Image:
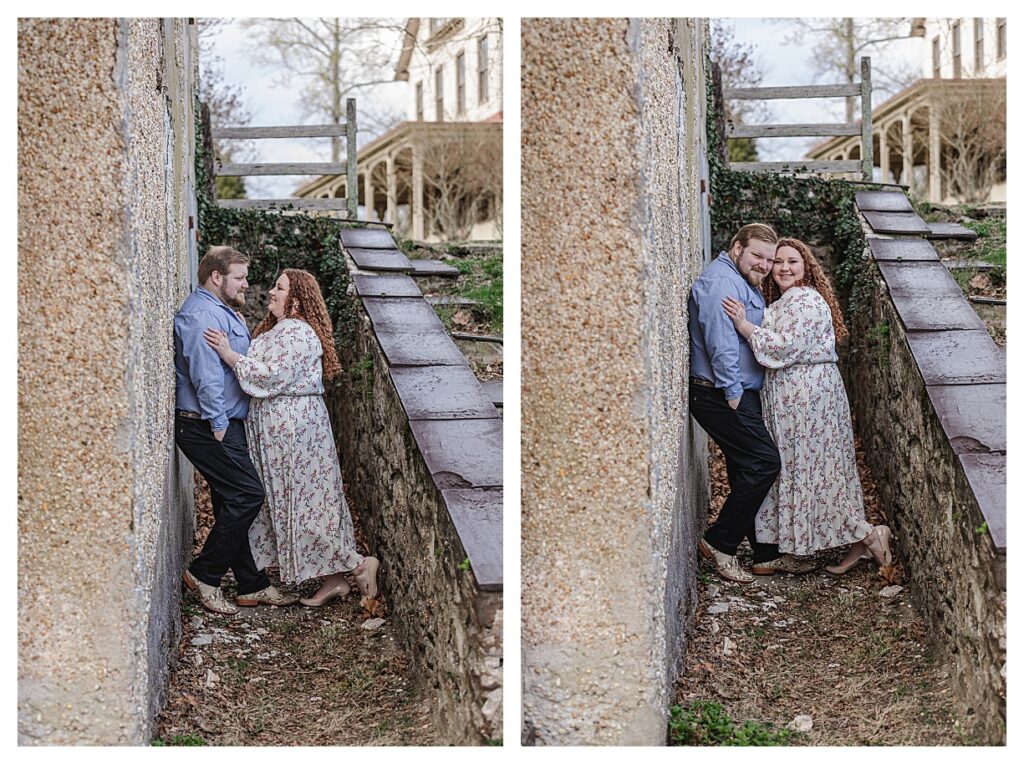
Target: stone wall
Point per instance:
(927, 386)
(614, 484)
(435, 528)
(105, 514)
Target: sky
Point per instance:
(782, 63)
(271, 105)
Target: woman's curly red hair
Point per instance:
(306, 302)
(814, 276)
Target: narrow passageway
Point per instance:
(291, 676)
(840, 661)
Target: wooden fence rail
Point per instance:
(862, 128)
(346, 130)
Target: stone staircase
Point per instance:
(452, 415)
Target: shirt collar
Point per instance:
(208, 295)
(724, 257)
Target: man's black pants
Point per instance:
(237, 495)
(752, 462)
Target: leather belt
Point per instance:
(701, 382)
(187, 414)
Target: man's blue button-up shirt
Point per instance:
(204, 383)
(718, 353)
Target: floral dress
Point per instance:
(817, 502)
(304, 526)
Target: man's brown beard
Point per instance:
(237, 302)
(751, 280)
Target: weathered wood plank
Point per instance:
(867, 159)
(851, 165)
(794, 130)
(297, 131)
(793, 91)
(282, 168)
(278, 204)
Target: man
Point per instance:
(724, 399)
(209, 429)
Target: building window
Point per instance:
(936, 58)
(460, 83)
(419, 101)
(979, 45)
(439, 94)
(956, 51)
(1000, 38)
(482, 70)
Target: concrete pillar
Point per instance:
(391, 213)
(368, 194)
(934, 158)
(883, 150)
(908, 153)
(417, 195)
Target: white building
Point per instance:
(963, 81)
(454, 68)
(963, 48)
(438, 175)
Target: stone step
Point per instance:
(475, 337)
(377, 285)
(883, 201)
(905, 223)
(495, 389)
(380, 259)
(968, 265)
(448, 299)
(950, 231)
(986, 300)
(367, 238)
(433, 268)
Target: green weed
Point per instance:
(706, 723)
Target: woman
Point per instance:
(305, 526)
(816, 503)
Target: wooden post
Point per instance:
(352, 186)
(866, 150)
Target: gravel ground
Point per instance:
(851, 653)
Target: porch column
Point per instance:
(368, 194)
(390, 214)
(883, 149)
(934, 158)
(417, 195)
(907, 178)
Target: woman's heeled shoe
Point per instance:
(323, 597)
(878, 544)
(365, 574)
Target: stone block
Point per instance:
(411, 334)
(927, 298)
(442, 392)
(951, 231)
(367, 238)
(373, 285)
(902, 249)
(972, 416)
(987, 475)
(461, 453)
(477, 514)
(380, 259)
(958, 357)
(883, 201)
(906, 223)
(433, 268)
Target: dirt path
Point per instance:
(291, 676)
(849, 652)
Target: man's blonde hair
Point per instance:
(219, 259)
(759, 231)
